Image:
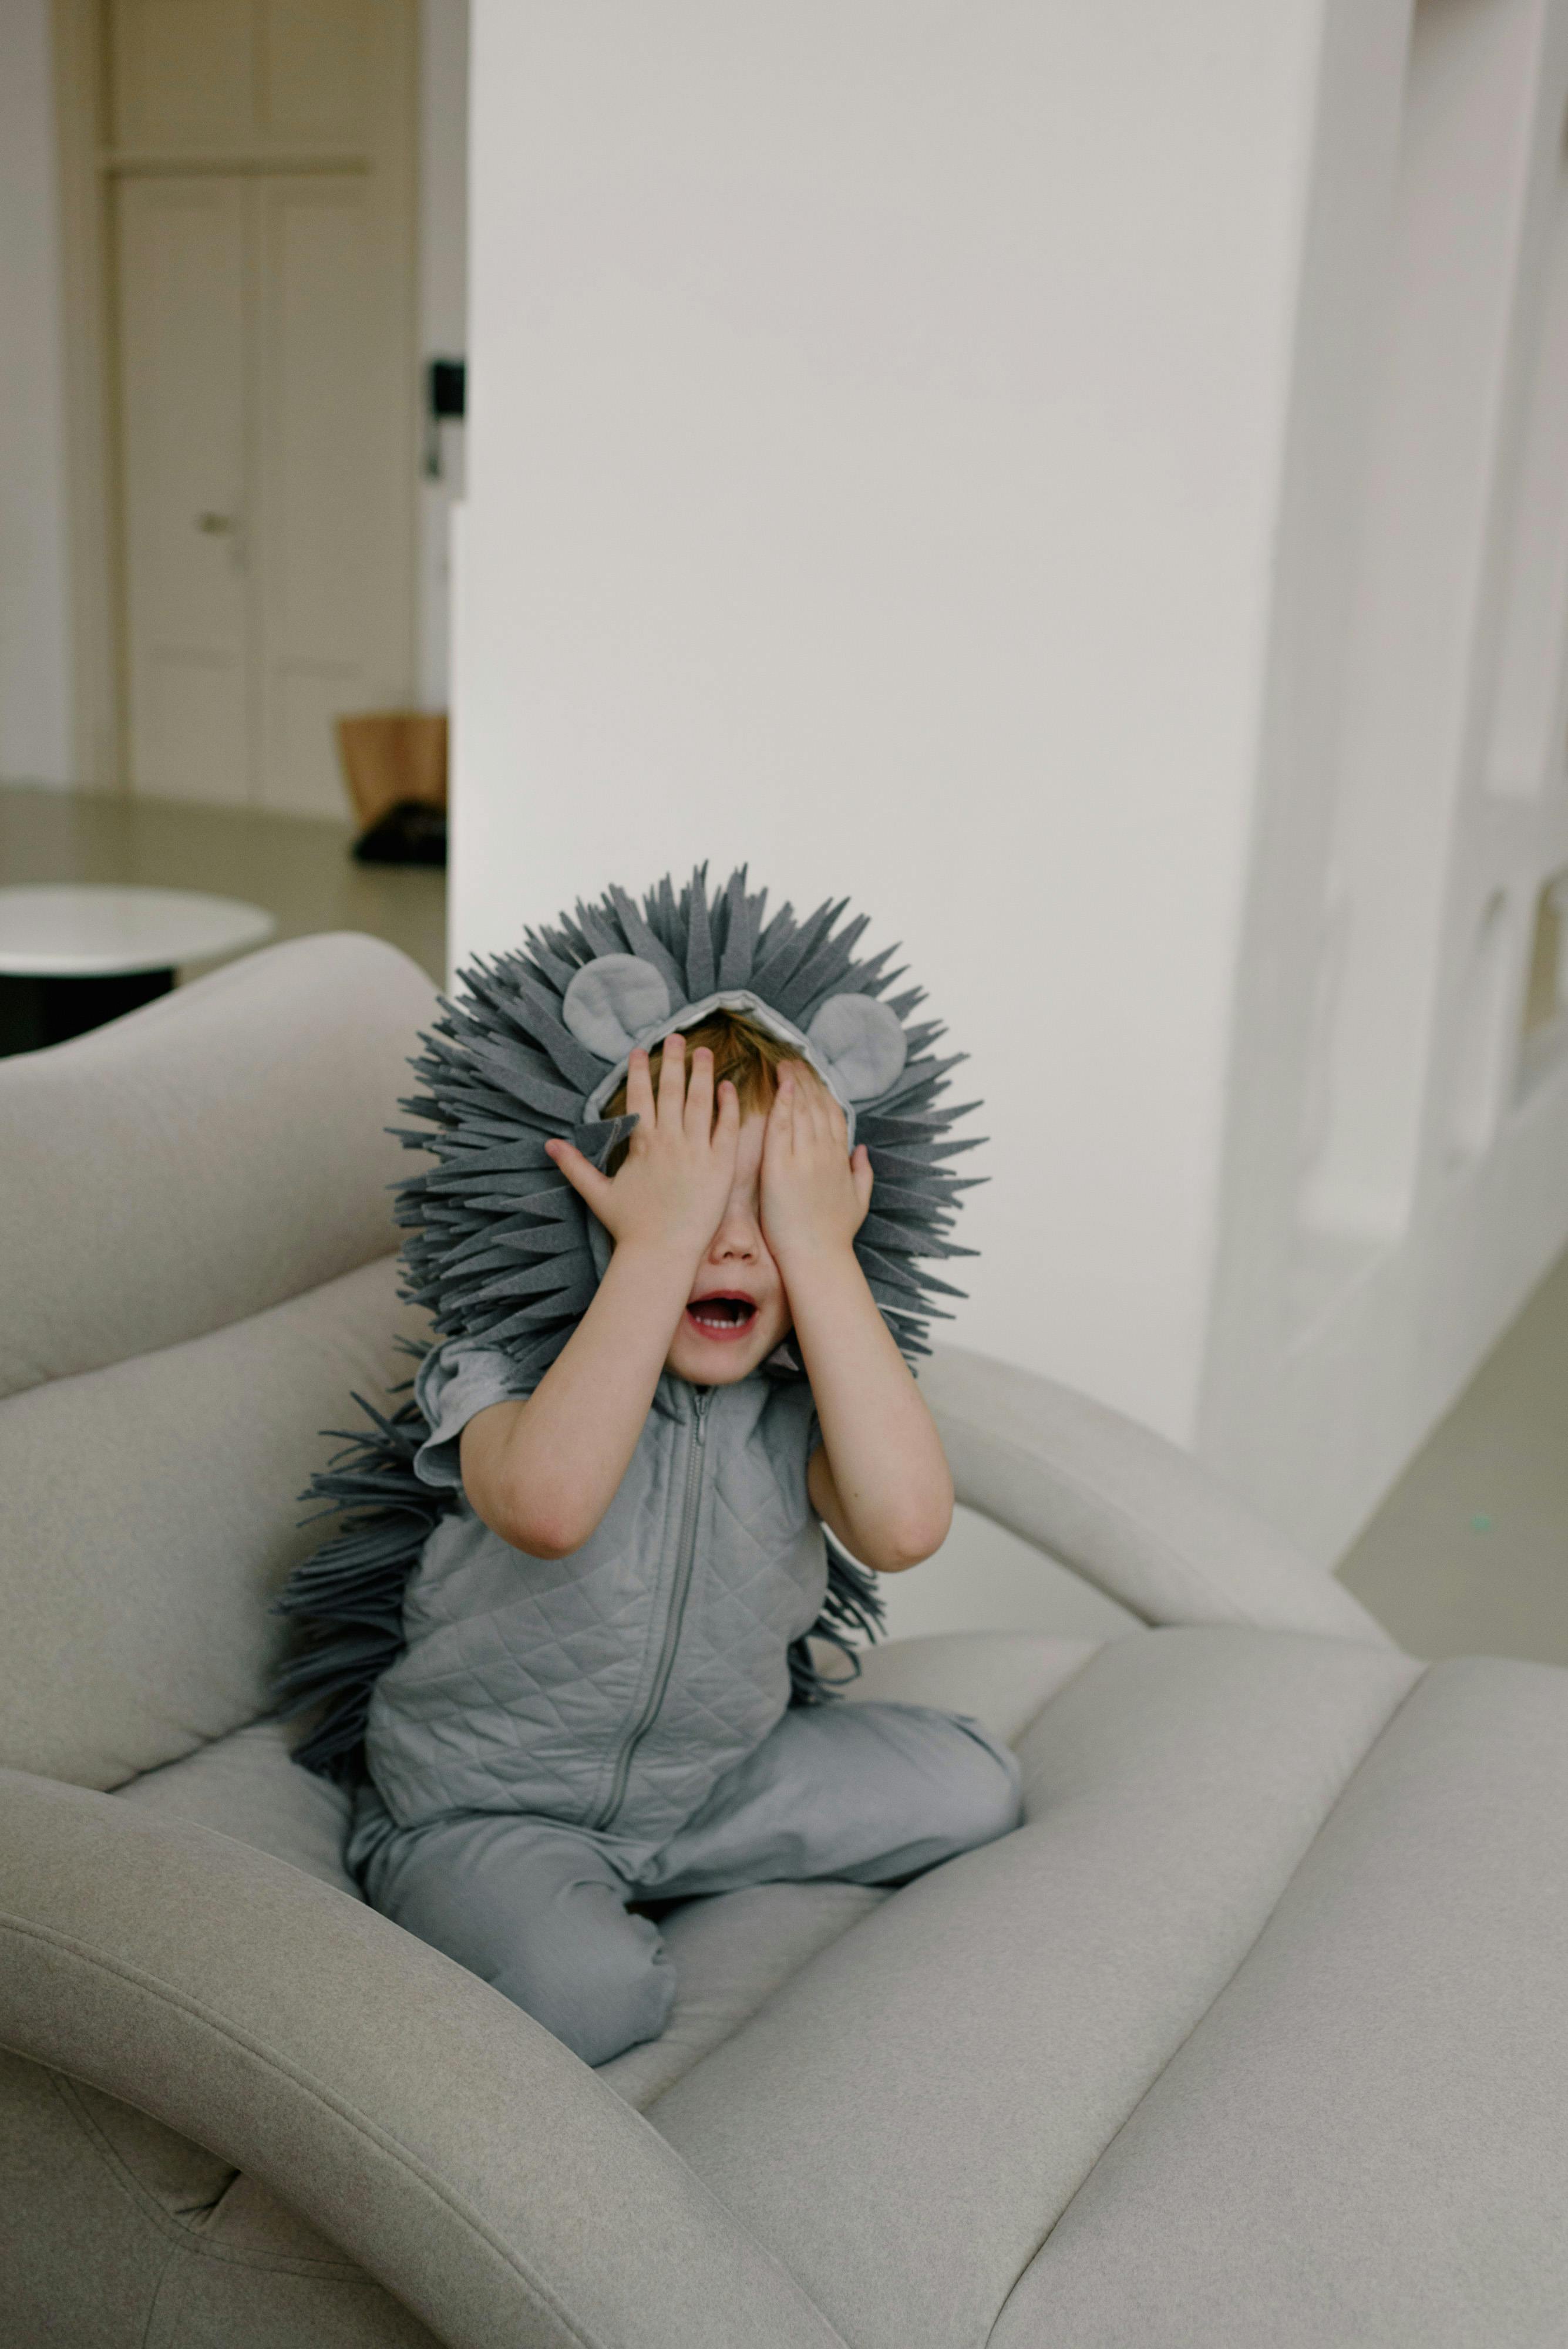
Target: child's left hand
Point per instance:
(815, 1195)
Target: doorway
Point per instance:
(259, 224)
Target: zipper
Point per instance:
(686, 1559)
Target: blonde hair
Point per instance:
(746, 1054)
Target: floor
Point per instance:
(1468, 1554)
(298, 867)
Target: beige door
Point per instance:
(265, 380)
(183, 411)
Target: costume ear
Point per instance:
(611, 1001)
(863, 1044)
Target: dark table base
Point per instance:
(35, 1011)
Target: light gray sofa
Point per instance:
(1252, 2034)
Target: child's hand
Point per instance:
(675, 1182)
(815, 1195)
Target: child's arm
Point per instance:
(881, 1479)
(542, 1472)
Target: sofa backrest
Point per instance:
(196, 1269)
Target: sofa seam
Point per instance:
(1396, 1709)
(151, 1986)
(198, 1337)
(187, 2236)
(1062, 1687)
(167, 2306)
(165, 2220)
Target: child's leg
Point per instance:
(529, 1907)
(869, 1793)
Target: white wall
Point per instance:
(1396, 1163)
(442, 308)
(1090, 484)
(874, 427)
(35, 679)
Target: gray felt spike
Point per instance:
(829, 971)
(570, 944)
(740, 933)
(581, 1068)
(719, 910)
(600, 934)
(770, 978)
(640, 940)
(783, 956)
(544, 1239)
(917, 1076)
(664, 917)
(699, 969)
(870, 977)
(771, 935)
(549, 964)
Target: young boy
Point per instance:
(593, 1704)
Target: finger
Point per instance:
(727, 1123)
(639, 1089)
(860, 1168)
(805, 1113)
(700, 1095)
(672, 1081)
(820, 1107)
(580, 1173)
(783, 1106)
(775, 1133)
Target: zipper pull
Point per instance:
(703, 1400)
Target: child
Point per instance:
(593, 1704)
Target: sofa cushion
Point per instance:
(905, 2119)
(1004, 1678)
(1366, 2139)
(731, 1952)
(160, 1182)
(248, 1786)
(158, 1497)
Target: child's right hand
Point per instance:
(672, 1187)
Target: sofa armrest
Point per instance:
(442, 2139)
(1140, 1519)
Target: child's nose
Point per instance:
(738, 1235)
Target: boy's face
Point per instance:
(737, 1311)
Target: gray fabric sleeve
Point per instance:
(455, 1380)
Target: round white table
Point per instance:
(74, 954)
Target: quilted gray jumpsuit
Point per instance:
(563, 1735)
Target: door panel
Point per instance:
(181, 72)
(312, 78)
(333, 481)
(181, 283)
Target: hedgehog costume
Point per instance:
(534, 1742)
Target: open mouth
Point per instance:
(721, 1316)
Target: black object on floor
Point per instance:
(36, 1009)
(411, 832)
